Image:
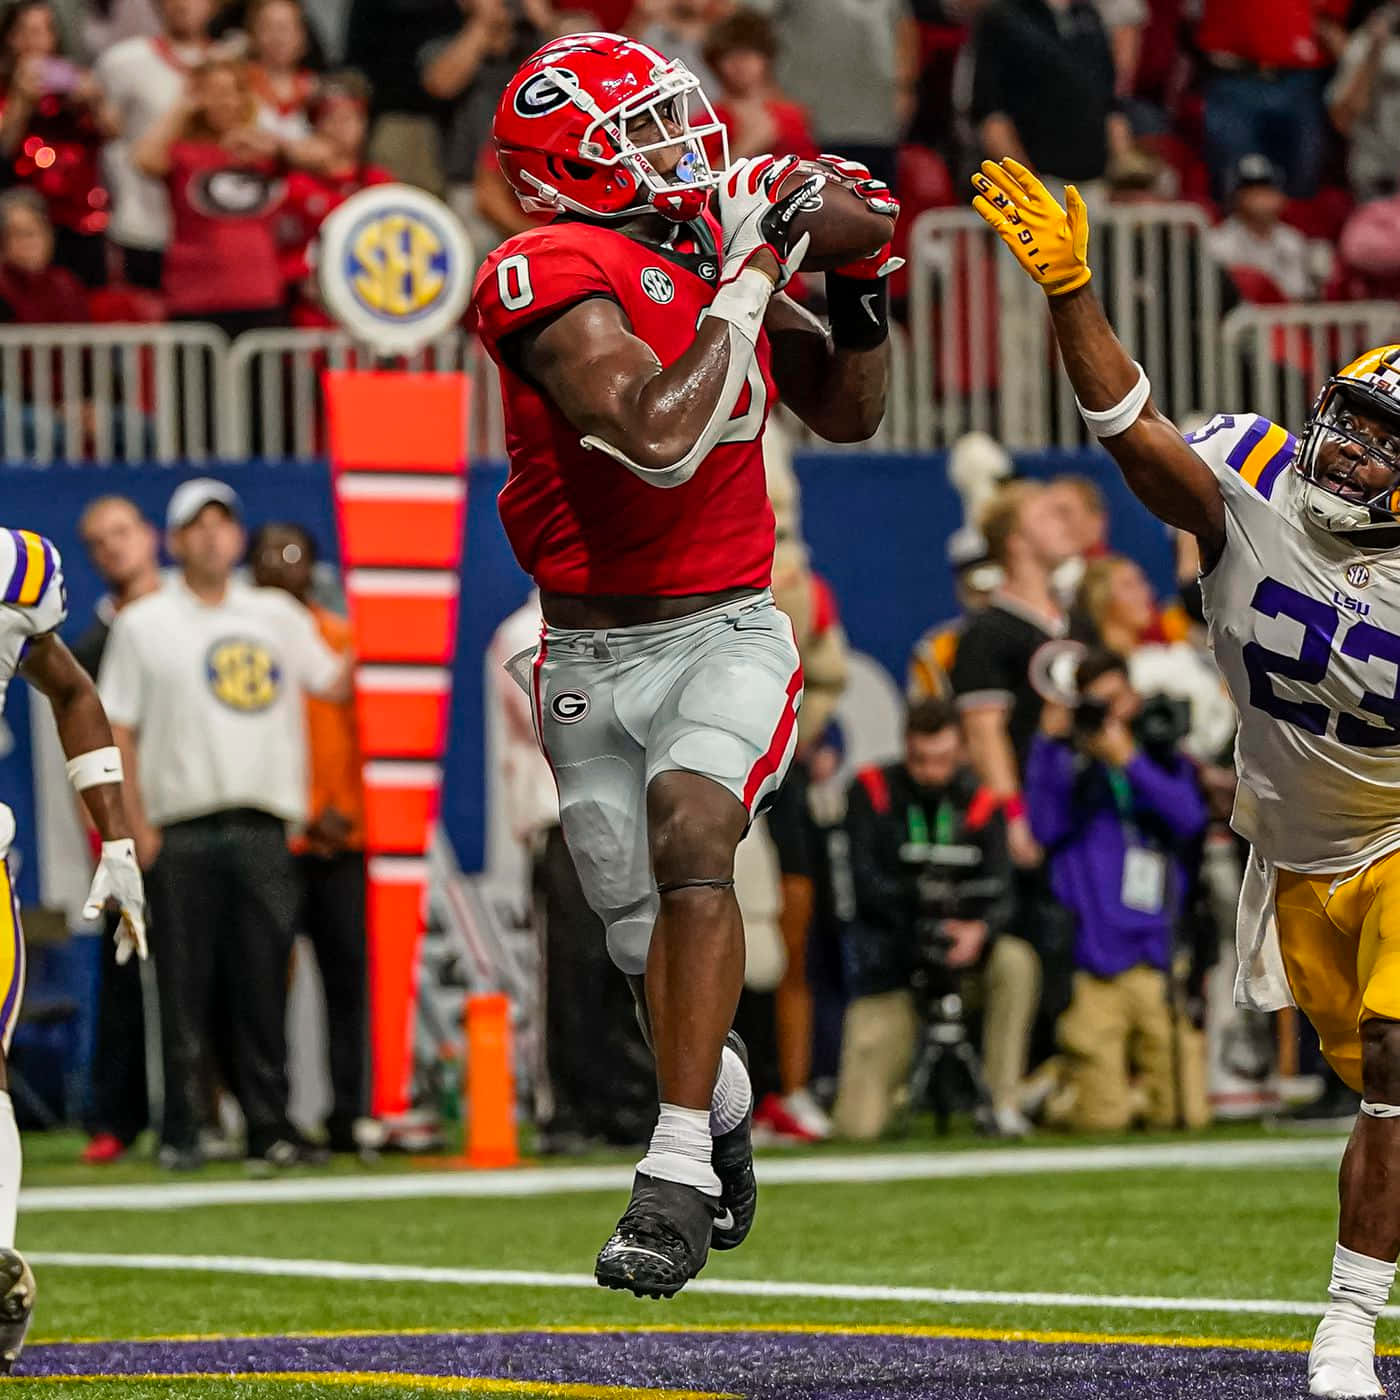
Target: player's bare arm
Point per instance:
(611, 386)
(1051, 244)
(836, 391)
(95, 769)
(53, 671)
(836, 380)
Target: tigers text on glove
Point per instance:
(1051, 243)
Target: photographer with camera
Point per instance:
(932, 883)
(1118, 809)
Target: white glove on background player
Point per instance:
(753, 215)
(118, 878)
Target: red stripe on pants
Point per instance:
(768, 761)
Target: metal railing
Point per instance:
(272, 405)
(976, 353)
(982, 353)
(1275, 358)
(128, 393)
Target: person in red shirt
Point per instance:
(342, 126)
(641, 341)
(53, 120)
(1265, 65)
(224, 177)
(740, 50)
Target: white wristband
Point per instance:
(95, 767)
(1109, 422)
(742, 303)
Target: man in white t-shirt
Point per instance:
(205, 682)
(143, 79)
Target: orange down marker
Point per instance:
(490, 1105)
(398, 460)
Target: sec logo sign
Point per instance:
(394, 267)
(657, 284)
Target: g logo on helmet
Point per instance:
(541, 95)
(394, 267)
(569, 706)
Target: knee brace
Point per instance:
(673, 885)
(629, 934)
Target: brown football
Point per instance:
(842, 226)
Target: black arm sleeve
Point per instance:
(982, 667)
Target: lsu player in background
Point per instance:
(33, 605)
(642, 337)
(1300, 576)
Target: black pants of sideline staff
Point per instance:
(333, 918)
(224, 900)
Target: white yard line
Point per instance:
(734, 1288)
(772, 1171)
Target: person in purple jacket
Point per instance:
(1116, 815)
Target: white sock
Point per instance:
(680, 1149)
(11, 1165)
(733, 1094)
(1360, 1285)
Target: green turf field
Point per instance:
(1175, 1234)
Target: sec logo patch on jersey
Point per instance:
(243, 674)
(394, 267)
(657, 284)
(1358, 575)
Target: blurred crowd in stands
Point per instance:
(179, 155)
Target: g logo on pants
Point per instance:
(569, 706)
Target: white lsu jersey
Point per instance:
(1306, 628)
(33, 598)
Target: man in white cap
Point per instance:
(204, 681)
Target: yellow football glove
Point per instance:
(1050, 243)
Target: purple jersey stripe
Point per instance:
(15, 584)
(1247, 444)
(1277, 464)
(49, 554)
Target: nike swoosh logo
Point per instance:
(725, 1220)
(868, 302)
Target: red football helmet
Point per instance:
(562, 129)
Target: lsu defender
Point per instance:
(33, 605)
(1300, 575)
(642, 340)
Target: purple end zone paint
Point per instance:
(757, 1365)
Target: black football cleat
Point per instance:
(733, 1164)
(17, 1294)
(662, 1240)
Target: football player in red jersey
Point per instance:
(642, 339)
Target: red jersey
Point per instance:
(579, 521)
(222, 254)
(1267, 33)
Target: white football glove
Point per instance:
(753, 216)
(118, 879)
